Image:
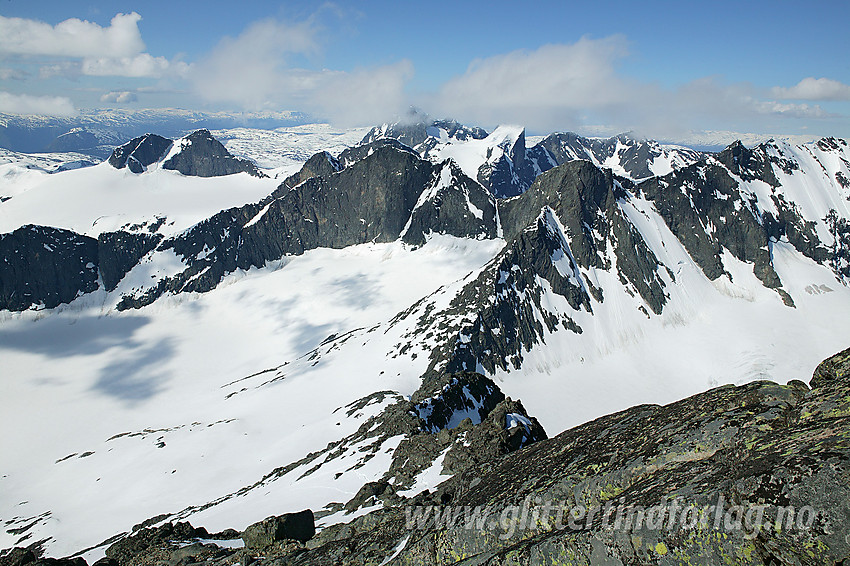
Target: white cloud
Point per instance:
(142, 65)
(790, 110)
(26, 104)
(250, 70)
(811, 88)
(72, 38)
(120, 97)
(255, 71)
(570, 86)
(362, 97)
(87, 48)
(68, 69)
(560, 81)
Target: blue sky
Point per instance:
(658, 68)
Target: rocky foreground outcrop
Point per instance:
(757, 474)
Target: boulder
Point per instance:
(299, 526)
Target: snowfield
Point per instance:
(287, 147)
(175, 377)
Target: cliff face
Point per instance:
(42, 266)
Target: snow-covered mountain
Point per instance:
(222, 349)
(501, 162)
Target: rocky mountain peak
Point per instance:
(201, 155)
(140, 153)
(748, 164)
(422, 133)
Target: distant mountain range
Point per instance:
(98, 132)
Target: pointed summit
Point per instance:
(201, 155)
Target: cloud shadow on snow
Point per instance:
(307, 336)
(137, 377)
(133, 367)
(358, 290)
(84, 336)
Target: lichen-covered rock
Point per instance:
(833, 372)
(17, 557)
(149, 545)
(756, 474)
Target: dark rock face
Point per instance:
(48, 266)
(452, 204)
(457, 397)
(291, 526)
(507, 298)
(368, 201)
(140, 153)
(119, 252)
(569, 221)
(748, 164)
(706, 210)
(839, 256)
(322, 164)
(703, 208)
(204, 156)
(584, 199)
(512, 173)
(45, 266)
